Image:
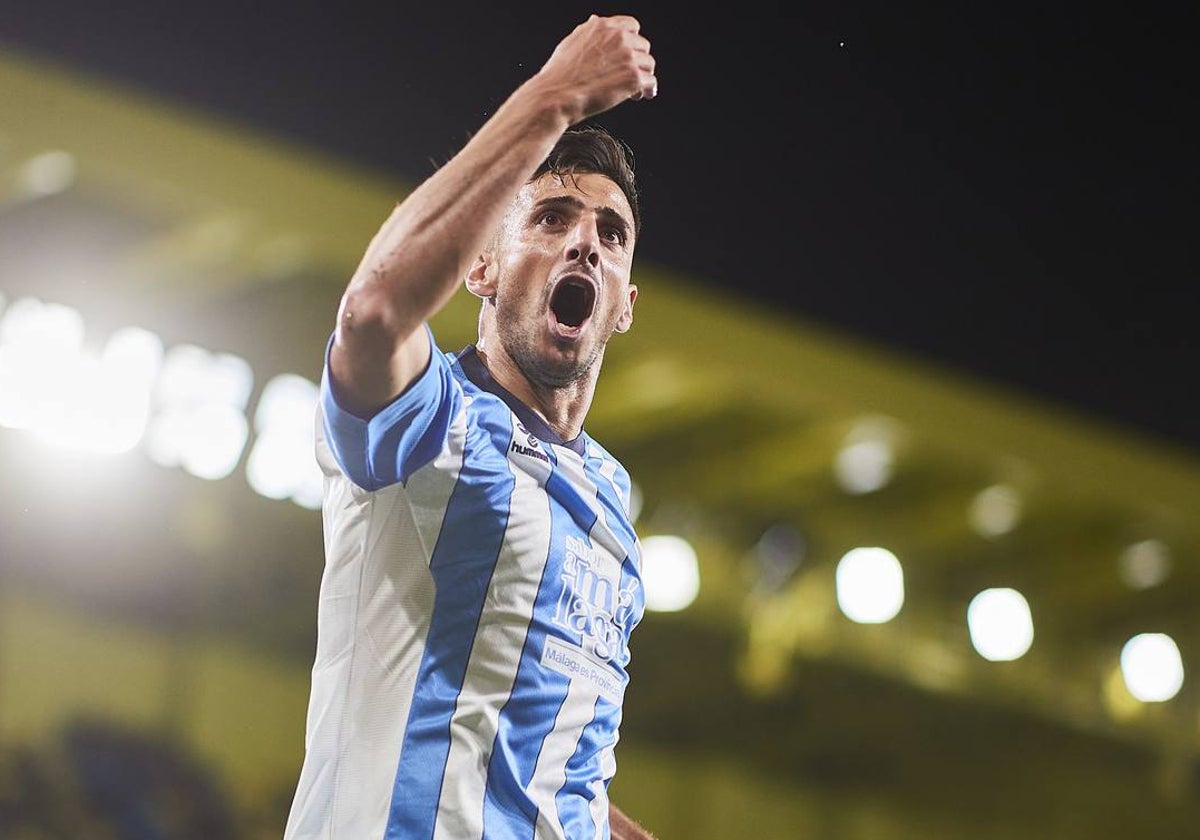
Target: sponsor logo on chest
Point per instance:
(592, 606)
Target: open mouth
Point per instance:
(572, 301)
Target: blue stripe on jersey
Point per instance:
(462, 564)
(400, 438)
(575, 796)
(508, 810)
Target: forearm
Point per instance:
(421, 253)
(622, 827)
(432, 239)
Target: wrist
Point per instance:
(555, 106)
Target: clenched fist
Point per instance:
(602, 63)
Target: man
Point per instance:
(482, 574)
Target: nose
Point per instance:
(584, 244)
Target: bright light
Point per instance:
(283, 462)
(995, 510)
(870, 585)
(864, 467)
(1152, 667)
(108, 396)
(133, 355)
(201, 425)
(670, 573)
(40, 347)
(36, 326)
(1000, 624)
(867, 457)
(47, 174)
(206, 440)
(192, 375)
(67, 396)
(1145, 564)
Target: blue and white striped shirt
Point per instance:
(481, 583)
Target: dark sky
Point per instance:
(1003, 190)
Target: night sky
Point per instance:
(1003, 191)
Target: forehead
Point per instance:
(597, 192)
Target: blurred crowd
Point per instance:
(101, 781)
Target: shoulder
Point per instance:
(598, 452)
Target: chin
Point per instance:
(560, 364)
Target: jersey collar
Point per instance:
(478, 373)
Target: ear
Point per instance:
(626, 319)
(481, 277)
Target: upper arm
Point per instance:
(385, 446)
(376, 353)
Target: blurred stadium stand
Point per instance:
(156, 627)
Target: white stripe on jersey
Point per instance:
(499, 645)
(364, 680)
(608, 469)
(572, 465)
(429, 488)
(551, 771)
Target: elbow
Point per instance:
(370, 323)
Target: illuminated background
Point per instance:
(934, 487)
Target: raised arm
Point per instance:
(424, 249)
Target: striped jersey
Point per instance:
(481, 582)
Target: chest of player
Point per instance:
(568, 544)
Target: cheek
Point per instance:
(524, 261)
(616, 305)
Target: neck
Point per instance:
(562, 407)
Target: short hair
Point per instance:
(593, 150)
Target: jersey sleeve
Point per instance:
(401, 437)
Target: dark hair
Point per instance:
(591, 149)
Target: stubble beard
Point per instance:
(520, 338)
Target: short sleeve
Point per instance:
(401, 437)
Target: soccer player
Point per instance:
(482, 573)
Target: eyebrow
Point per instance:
(612, 216)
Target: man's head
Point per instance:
(592, 149)
(555, 277)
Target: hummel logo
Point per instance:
(529, 450)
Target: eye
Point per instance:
(549, 217)
(614, 235)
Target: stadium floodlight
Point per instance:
(200, 423)
(995, 510)
(1152, 667)
(1145, 564)
(107, 403)
(1000, 624)
(48, 173)
(870, 585)
(68, 396)
(864, 466)
(40, 346)
(282, 462)
(670, 573)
